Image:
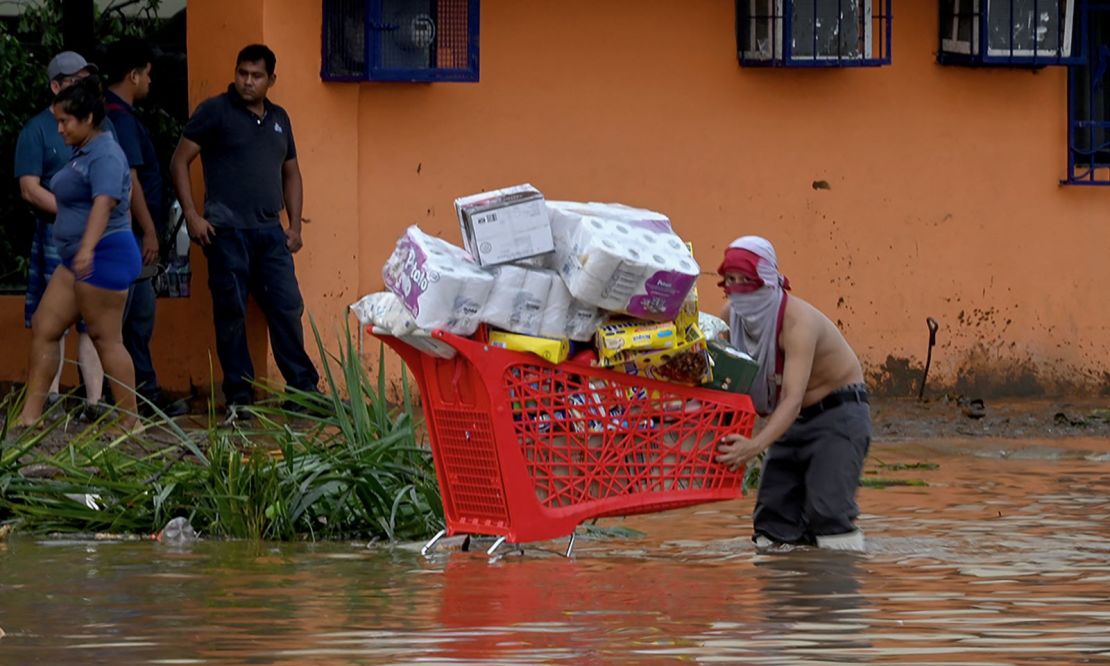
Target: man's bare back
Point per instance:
(818, 425)
(834, 363)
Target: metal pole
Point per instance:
(933, 326)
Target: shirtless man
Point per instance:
(810, 388)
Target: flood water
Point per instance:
(1003, 559)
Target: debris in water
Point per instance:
(1064, 419)
(901, 467)
(974, 408)
(881, 482)
(177, 531)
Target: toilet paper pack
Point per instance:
(564, 316)
(438, 283)
(519, 298)
(621, 258)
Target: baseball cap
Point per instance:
(68, 63)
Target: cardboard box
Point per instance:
(549, 349)
(688, 314)
(616, 339)
(733, 370)
(685, 363)
(505, 225)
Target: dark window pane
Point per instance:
(829, 28)
(1092, 97)
(345, 38)
(1030, 25)
(408, 34)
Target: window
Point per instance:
(1089, 105)
(1015, 32)
(400, 40)
(823, 33)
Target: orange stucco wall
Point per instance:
(943, 200)
(944, 196)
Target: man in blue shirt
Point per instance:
(39, 154)
(129, 62)
(246, 147)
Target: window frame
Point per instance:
(780, 16)
(374, 26)
(953, 51)
(1092, 173)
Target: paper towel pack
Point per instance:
(438, 283)
(621, 258)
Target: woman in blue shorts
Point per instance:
(99, 254)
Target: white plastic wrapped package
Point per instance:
(713, 327)
(583, 320)
(439, 284)
(519, 297)
(384, 311)
(388, 315)
(622, 259)
(567, 317)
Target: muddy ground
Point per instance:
(903, 419)
(907, 419)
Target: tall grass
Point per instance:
(316, 466)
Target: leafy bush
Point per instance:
(351, 467)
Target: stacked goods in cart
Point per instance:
(606, 282)
(565, 368)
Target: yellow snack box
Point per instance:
(550, 349)
(686, 363)
(619, 337)
(688, 313)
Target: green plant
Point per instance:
(351, 467)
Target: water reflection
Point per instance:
(999, 561)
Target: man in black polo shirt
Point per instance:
(250, 173)
(129, 62)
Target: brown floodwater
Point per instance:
(1004, 558)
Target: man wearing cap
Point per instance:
(40, 152)
(810, 389)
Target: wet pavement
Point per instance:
(1002, 558)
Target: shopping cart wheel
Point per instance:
(431, 544)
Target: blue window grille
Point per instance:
(1089, 105)
(813, 33)
(1011, 33)
(400, 40)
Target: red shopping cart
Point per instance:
(526, 450)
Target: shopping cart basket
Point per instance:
(526, 450)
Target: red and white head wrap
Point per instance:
(754, 258)
(756, 311)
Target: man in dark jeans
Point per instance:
(129, 62)
(250, 173)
